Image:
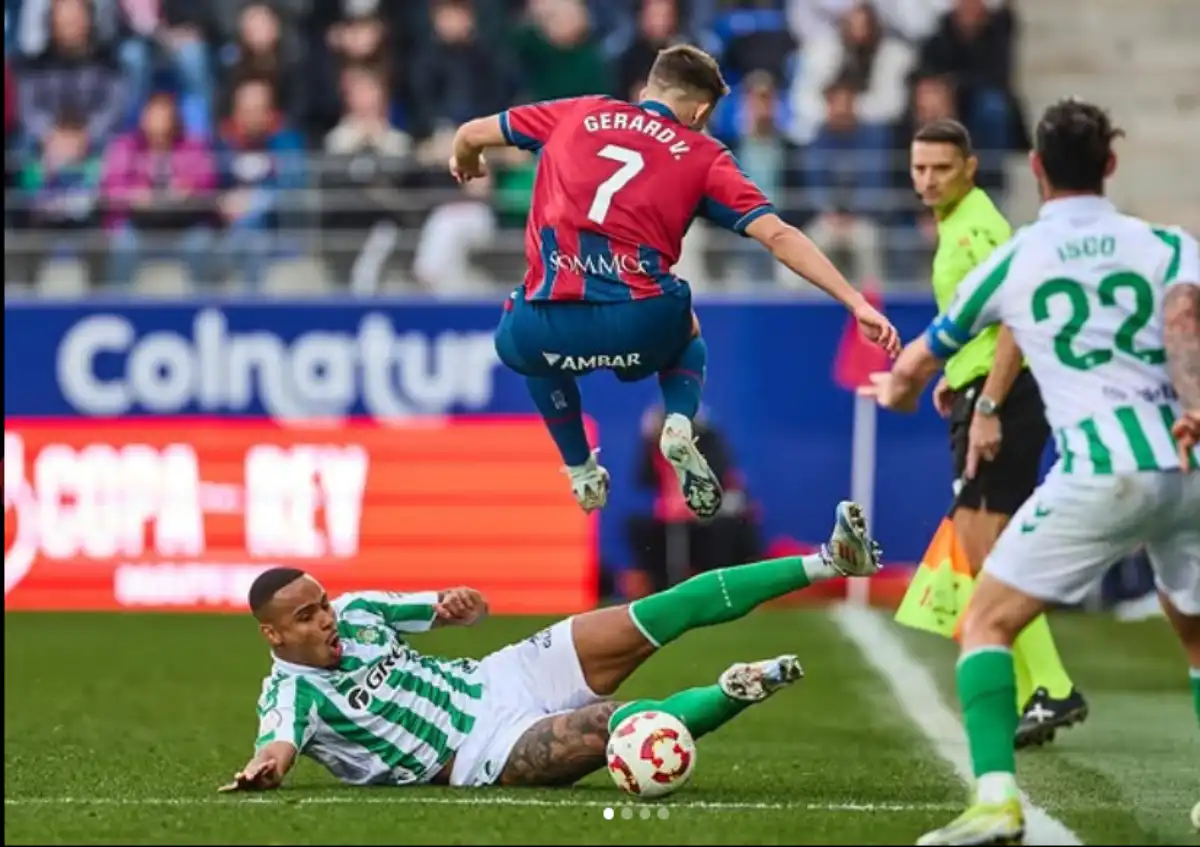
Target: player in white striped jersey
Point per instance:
(348, 691)
(1083, 290)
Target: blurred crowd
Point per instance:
(231, 135)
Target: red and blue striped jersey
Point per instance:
(617, 186)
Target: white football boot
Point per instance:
(700, 486)
(589, 484)
(850, 550)
(755, 681)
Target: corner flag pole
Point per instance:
(862, 482)
(856, 360)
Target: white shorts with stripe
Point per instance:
(1075, 526)
(523, 683)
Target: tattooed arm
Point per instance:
(1181, 333)
(560, 750)
(1181, 319)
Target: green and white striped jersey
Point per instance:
(387, 715)
(1081, 289)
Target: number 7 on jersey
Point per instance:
(632, 164)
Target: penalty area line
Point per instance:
(424, 800)
(922, 703)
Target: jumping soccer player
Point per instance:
(618, 185)
(1104, 307)
(347, 691)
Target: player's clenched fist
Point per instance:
(463, 606)
(466, 168)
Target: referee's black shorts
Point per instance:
(1007, 481)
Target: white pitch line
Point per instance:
(918, 695)
(422, 800)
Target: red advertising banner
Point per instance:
(183, 514)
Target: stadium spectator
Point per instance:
(752, 35)
(171, 36)
(558, 54)
(61, 188)
(772, 161)
(75, 70)
(157, 188)
(658, 26)
(364, 180)
(973, 45)
(264, 50)
(32, 27)
(460, 76)
(354, 32)
(262, 168)
(847, 173)
(912, 20)
(873, 61)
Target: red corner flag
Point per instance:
(857, 358)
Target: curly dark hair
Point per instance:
(1074, 141)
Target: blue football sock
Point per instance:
(683, 381)
(557, 398)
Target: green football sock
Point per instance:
(987, 690)
(723, 595)
(700, 709)
(1196, 691)
(1035, 649)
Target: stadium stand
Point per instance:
(297, 146)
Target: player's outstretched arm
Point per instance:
(266, 770)
(900, 388)
(795, 251)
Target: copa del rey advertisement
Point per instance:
(184, 513)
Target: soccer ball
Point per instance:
(651, 754)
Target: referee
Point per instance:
(986, 393)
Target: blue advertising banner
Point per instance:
(770, 390)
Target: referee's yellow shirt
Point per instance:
(965, 238)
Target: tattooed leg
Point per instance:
(560, 750)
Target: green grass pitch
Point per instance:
(119, 728)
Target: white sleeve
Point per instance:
(285, 713)
(976, 304)
(1184, 264)
(413, 612)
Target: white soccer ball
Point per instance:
(1196, 816)
(651, 754)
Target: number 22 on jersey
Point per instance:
(1081, 311)
(632, 163)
